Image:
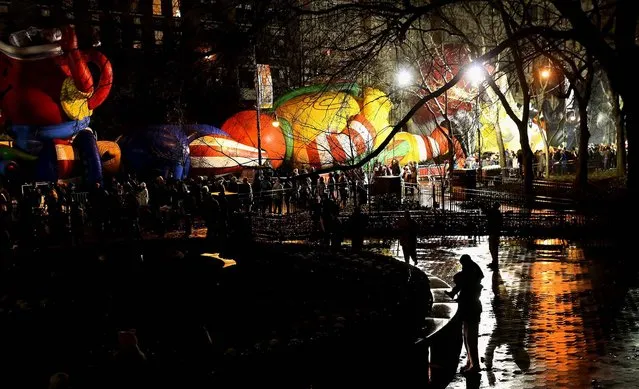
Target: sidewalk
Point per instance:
(554, 316)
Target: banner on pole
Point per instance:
(265, 86)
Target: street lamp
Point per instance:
(476, 74)
(544, 74)
(404, 78)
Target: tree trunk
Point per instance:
(621, 138)
(631, 113)
(502, 149)
(581, 178)
(451, 156)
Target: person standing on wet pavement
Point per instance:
(494, 221)
(408, 237)
(468, 286)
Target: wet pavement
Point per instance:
(555, 315)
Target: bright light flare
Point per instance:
(404, 78)
(275, 123)
(476, 74)
(544, 74)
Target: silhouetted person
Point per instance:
(357, 225)
(468, 285)
(130, 363)
(211, 213)
(408, 237)
(59, 381)
(316, 217)
(494, 222)
(223, 218)
(77, 222)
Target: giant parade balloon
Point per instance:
(213, 151)
(48, 93)
(327, 126)
(243, 128)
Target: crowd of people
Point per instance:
(561, 161)
(55, 213)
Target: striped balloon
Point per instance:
(407, 147)
(70, 166)
(215, 155)
(330, 148)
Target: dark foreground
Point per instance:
(282, 316)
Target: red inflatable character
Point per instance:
(47, 96)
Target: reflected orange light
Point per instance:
(227, 262)
(557, 319)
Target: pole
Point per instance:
(257, 107)
(259, 129)
(478, 135)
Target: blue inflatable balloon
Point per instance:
(153, 151)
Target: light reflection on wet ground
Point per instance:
(555, 315)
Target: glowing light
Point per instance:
(544, 74)
(476, 74)
(226, 262)
(275, 123)
(404, 77)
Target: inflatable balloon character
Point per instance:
(406, 147)
(178, 151)
(326, 125)
(47, 97)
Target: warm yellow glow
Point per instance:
(556, 310)
(545, 74)
(157, 7)
(176, 8)
(227, 262)
(549, 242)
(275, 123)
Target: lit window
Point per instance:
(175, 8)
(157, 7)
(159, 37)
(137, 44)
(44, 12)
(136, 20)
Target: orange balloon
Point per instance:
(111, 156)
(242, 127)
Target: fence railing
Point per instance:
(80, 197)
(442, 223)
